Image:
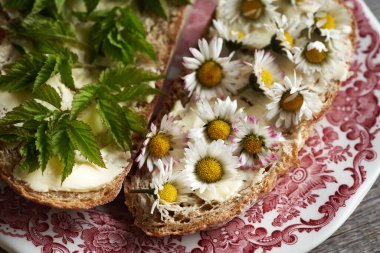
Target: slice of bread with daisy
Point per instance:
(265, 74)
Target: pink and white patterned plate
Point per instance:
(339, 164)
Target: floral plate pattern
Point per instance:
(338, 166)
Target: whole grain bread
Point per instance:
(204, 215)
(162, 34)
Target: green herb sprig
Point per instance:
(118, 34)
(121, 85)
(43, 132)
(44, 33)
(31, 70)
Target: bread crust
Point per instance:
(9, 158)
(224, 212)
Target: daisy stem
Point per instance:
(149, 191)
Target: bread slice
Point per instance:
(204, 215)
(162, 34)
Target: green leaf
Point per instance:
(43, 146)
(13, 135)
(127, 75)
(21, 74)
(63, 148)
(60, 5)
(138, 75)
(40, 28)
(47, 70)
(100, 30)
(115, 119)
(137, 92)
(158, 7)
(29, 110)
(137, 42)
(84, 140)
(91, 5)
(29, 161)
(39, 5)
(131, 21)
(119, 35)
(50, 47)
(65, 71)
(48, 94)
(117, 49)
(95, 15)
(82, 99)
(30, 71)
(136, 121)
(18, 5)
(31, 125)
(142, 45)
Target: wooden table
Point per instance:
(361, 232)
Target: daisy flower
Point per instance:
(256, 146)
(284, 36)
(252, 12)
(217, 119)
(168, 188)
(211, 171)
(309, 6)
(238, 35)
(292, 102)
(333, 21)
(264, 71)
(161, 144)
(316, 57)
(212, 75)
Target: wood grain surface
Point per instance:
(361, 232)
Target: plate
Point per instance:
(339, 164)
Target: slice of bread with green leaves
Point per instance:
(78, 83)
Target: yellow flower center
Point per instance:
(218, 130)
(315, 56)
(209, 170)
(267, 78)
(210, 74)
(330, 21)
(291, 104)
(251, 9)
(240, 35)
(168, 193)
(253, 144)
(289, 39)
(159, 145)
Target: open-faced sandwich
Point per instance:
(253, 89)
(77, 86)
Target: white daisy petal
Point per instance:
(230, 12)
(162, 143)
(317, 58)
(265, 71)
(253, 142)
(169, 189)
(290, 105)
(217, 119)
(332, 20)
(220, 185)
(197, 54)
(212, 75)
